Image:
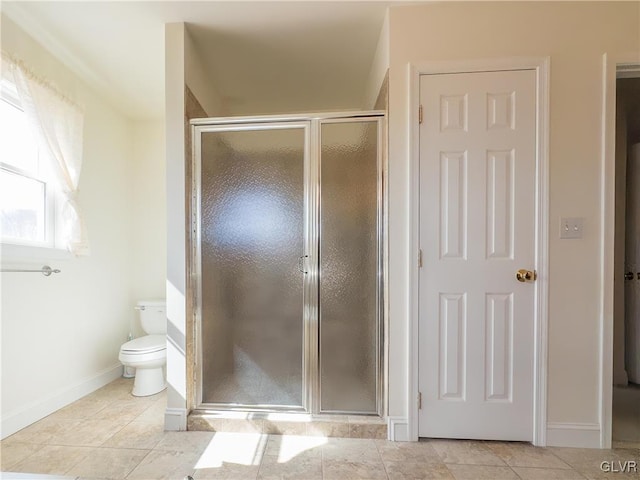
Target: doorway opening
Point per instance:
(625, 428)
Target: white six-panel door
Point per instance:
(477, 229)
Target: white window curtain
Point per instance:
(58, 126)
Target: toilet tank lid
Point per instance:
(151, 303)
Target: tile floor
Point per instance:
(111, 435)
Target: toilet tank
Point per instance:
(153, 316)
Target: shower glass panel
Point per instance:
(252, 232)
(287, 265)
(349, 266)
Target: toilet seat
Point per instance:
(145, 345)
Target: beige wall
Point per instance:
(379, 67)
(183, 73)
(148, 218)
(574, 35)
(61, 335)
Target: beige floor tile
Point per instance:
(83, 408)
(287, 447)
(621, 444)
(124, 409)
(228, 471)
(367, 430)
(155, 413)
(284, 427)
(165, 465)
(102, 421)
(547, 474)
(481, 472)
(517, 454)
(89, 433)
(112, 463)
(301, 467)
(588, 461)
(241, 449)
(13, 452)
(52, 459)
(599, 474)
(417, 471)
(465, 452)
(591, 457)
(195, 442)
(34, 476)
(136, 435)
(114, 391)
(328, 429)
(353, 469)
(350, 449)
(236, 425)
(407, 452)
(45, 430)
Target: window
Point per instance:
(33, 112)
(27, 199)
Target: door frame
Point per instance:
(541, 65)
(611, 66)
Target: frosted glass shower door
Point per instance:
(252, 236)
(350, 266)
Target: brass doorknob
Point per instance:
(628, 276)
(523, 275)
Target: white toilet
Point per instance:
(148, 354)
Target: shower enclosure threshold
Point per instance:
(278, 423)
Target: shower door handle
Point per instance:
(301, 263)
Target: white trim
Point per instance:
(40, 408)
(610, 65)
(175, 419)
(43, 36)
(397, 429)
(542, 67)
(579, 435)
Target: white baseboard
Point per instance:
(175, 419)
(11, 422)
(580, 435)
(398, 429)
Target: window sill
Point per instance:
(11, 254)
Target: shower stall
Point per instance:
(288, 265)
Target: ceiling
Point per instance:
(262, 57)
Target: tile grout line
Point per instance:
(549, 449)
(384, 464)
(138, 464)
(78, 463)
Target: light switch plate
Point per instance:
(571, 227)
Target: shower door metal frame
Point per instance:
(311, 124)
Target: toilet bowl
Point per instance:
(148, 354)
